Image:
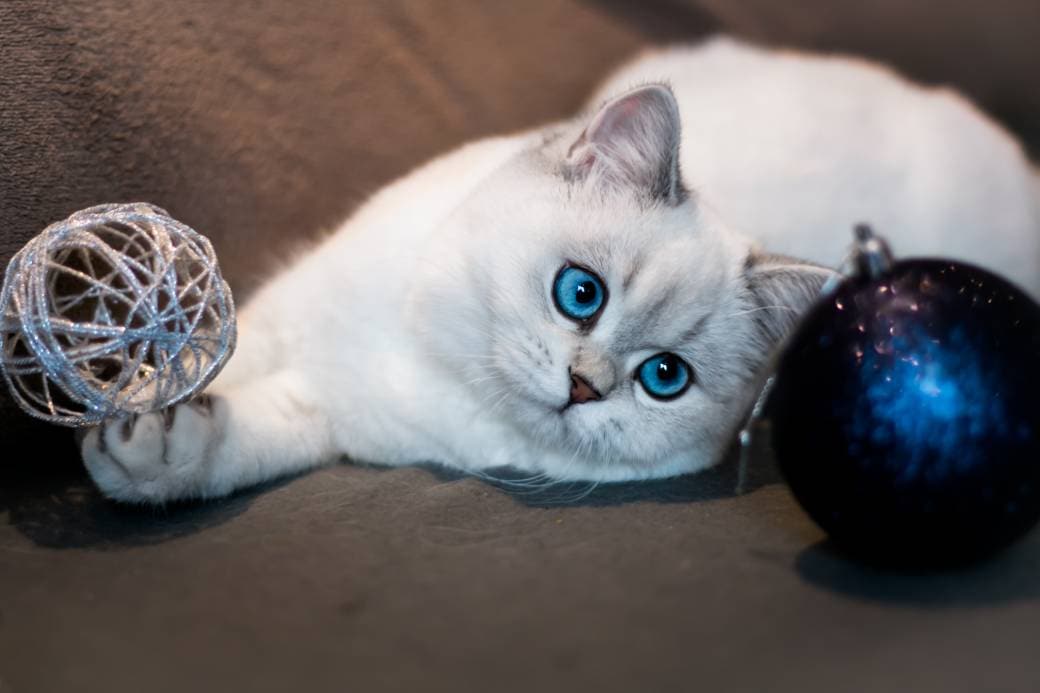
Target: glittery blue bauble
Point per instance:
(905, 414)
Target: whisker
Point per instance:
(755, 310)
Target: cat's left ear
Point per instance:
(633, 142)
(783, 289)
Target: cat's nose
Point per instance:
(581, 390)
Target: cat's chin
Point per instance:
(565, 448)
(567, 430)
(573, 462)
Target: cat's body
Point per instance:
(764, 133)
(433, 327)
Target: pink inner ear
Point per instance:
(631, 140)
(614, 118)
(626, 108)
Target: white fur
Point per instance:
(424, 330)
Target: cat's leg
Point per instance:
(256, 354)
(226, 440)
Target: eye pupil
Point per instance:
(585, 293)
(666, 370)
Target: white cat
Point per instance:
(563, 301)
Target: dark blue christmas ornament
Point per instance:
(904, 410)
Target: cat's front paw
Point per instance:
(154, 457)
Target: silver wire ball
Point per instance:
(119, 309)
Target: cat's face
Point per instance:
(600, 308)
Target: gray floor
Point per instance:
(368, 579)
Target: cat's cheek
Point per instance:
(533, 394)
(532, 376)
(663, 429)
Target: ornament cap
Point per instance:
(871, 255)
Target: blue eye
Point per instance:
(578, 293)
(665, 376)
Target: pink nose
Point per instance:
(581, 390)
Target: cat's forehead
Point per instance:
(668, 295)
(647, 251)
(666, 274)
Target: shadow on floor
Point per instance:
(722, 481)
(50, 499)
(1009, 576)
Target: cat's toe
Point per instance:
(109, 476)
(150, 458)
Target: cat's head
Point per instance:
(599, 306)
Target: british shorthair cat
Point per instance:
(591, 300)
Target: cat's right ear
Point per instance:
(632, 143)
(784, 289)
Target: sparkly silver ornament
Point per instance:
(117, 310)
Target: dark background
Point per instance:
(261, 124)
